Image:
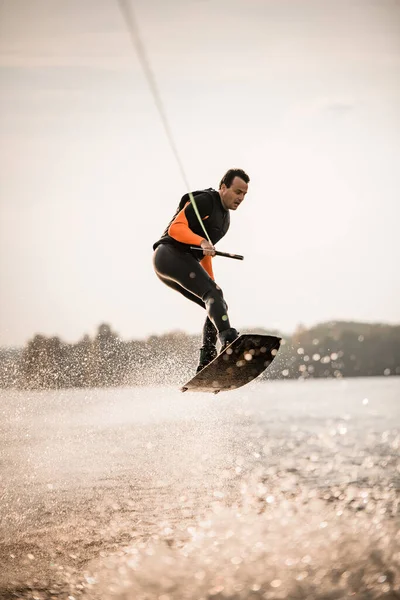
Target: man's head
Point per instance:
(233, 188)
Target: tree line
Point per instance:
(335, 349)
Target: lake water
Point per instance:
(283, 489)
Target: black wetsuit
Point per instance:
(179, 267)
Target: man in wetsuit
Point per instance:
(190, 271)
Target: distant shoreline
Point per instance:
(329, 350)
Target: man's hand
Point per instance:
(208, 248)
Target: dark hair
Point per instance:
(230, 176)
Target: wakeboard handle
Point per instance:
(217, 253)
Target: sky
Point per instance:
(302, 94)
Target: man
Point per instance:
(190, 271)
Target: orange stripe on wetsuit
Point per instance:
(181, 232)
(206, 263)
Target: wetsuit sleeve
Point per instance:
(181, 228)
(206, 263)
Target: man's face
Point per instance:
(234, 195)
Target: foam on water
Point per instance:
(276, 544)
(289, 490)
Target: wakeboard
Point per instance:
(241, 362)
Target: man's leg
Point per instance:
(180, 271)
(208, 351)
(174, 266)
(209, 333)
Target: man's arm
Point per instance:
(181, 227)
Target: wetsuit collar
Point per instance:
(222, 204)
